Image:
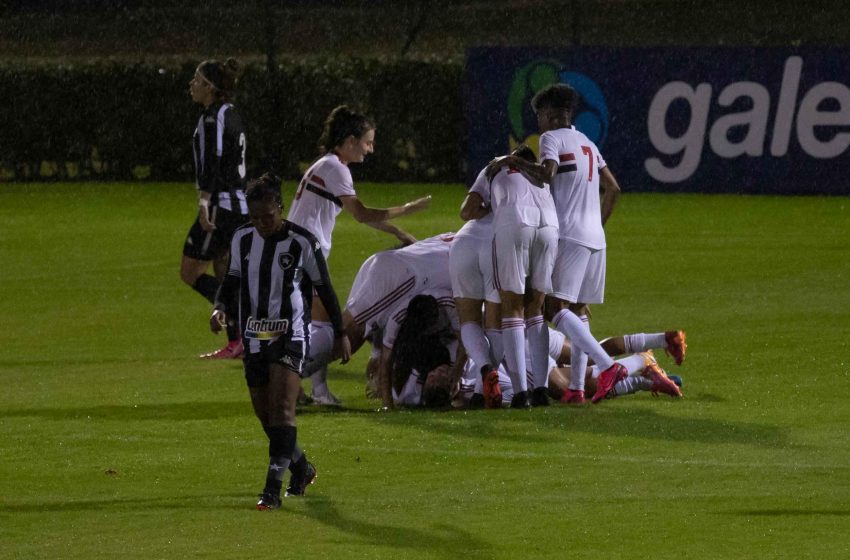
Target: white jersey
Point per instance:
(429, 258)
(575, 187)
(516, 201)
(318, 199)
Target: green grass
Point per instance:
(116, 441)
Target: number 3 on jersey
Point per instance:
(242, 144)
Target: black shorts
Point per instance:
(204, 246)
(287, 352)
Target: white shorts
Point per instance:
(579, 274)
(471, 269)
(522, 252)
(380, 283)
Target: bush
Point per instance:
(116, 121)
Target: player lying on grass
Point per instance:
(423, 370)
(274, 268)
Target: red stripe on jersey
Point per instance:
(567, 157)
(318, 180)
(384, 303)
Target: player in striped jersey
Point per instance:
(219, 148)
(275, 266)
(326, 189)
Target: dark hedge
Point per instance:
(116, 121)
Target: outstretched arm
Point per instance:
(367, 215)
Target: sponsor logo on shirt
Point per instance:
(265, 329)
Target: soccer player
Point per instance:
(326, 189)
(275, 266)
(525, 237)
(471, 269)
(219, 148)
(572, 165)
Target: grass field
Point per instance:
(116, 441)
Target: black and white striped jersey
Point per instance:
(219, 145)
(273, 281)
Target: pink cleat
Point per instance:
(676, 346)
(660, 382)
(234, 350)
(606, 381)
(573, 396)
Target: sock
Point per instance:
(513, 337)
(538, 345)
(321, 353)
(631, 385)
(299, 460)
(207, 286)
(472, 336)
(578, 360)
(642, 342)
(568, 323)
(634, 364)
(281, 448)
(497, 348)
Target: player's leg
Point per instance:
(542, 254)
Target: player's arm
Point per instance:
(473, 207)
(228, 290)
(610, 193)
(317, 269)
(539, 173)
(366, 215)
(385, 386)
(392, 229)
(460, 361)
(209, 177)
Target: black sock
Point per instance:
(207, 286)
(281, 448)
(299, 461)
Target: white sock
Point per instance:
(472, 336)
(634, 364)
(497, 348)
(641, 342)
(513, 337)
(321, 352)
(538, 345)
(568, 323)
(631, 385)
(578, 361)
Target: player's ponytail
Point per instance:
(341, 123)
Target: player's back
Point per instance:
(575, 188)
(515, 199)
(429, 258)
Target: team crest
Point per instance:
(285, 261)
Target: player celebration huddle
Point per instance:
(493, 315)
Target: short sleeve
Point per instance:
(600, 161)
(548, 147)
(341, 183)
(481, 187)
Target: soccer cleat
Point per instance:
(573, 396)
(268, 500)
(540, 396)
(606, 381)
(660, 382)
(520, 400)
(492, 390)
(328, 399)
(675, 345)
(299, 481)
(234, 350)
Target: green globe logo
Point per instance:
(528, 80)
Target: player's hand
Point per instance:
(405, 238)
(218, 320)
(204, 219)
(417, 205)
(496, 164)
(342, 348)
